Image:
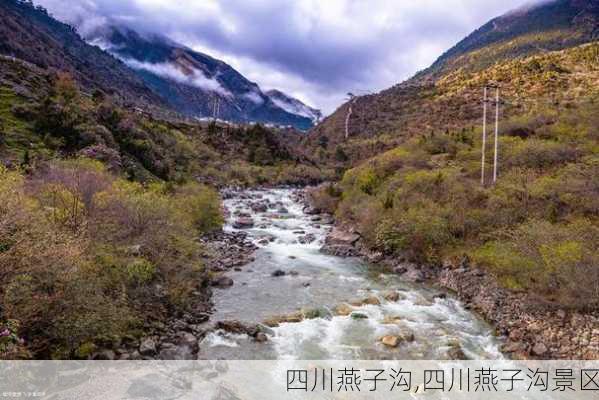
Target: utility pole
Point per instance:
(482, 165)
(496, 134)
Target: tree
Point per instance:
(340, 154)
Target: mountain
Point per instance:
(451, 89)
(198, 85)
(29, 33)
(537, 27)
(294, 106)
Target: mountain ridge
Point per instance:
(405, 109)
(195, 83)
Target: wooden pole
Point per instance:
(496, 135)
(484, 145)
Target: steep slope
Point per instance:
(29, 33)
(448, 94)
(195, 83)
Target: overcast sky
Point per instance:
(316, 50)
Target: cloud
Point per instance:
(167, 70)
(317, 50)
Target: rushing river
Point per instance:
(314, 280)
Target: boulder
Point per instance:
(234, 326)
(341, 237)
(343, 309)
(456, 352)
(278, 273)
(222, 282)
(306, 239)
(243, 223)
(390, 340)
(391, 320)
(260, 337)
(320, 312)
(539, 349)
(147, 347)
(104, 355)
(259, 207)
(392, 296)
(372, 300)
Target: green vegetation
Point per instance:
(44, 116)
(536, 229)
(89, 257)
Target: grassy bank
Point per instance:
(90, 258)
(536, 229)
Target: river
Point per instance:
(308, 279)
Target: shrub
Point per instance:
(420, 232)
(557, 261)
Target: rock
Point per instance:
(311, 211)
(358, 315)
(293, 318)
(263, 242)
(455, 352)
(104, 355)
(320, 312)
(390, 341)
(189, 340)
(375, 257)
(261, 337)
(513, 347)
(406, 335)
(147, 347)
(278, 273)
(391, 296)
(400, 270)
(232, 326)
(222, 282)
(539, 349)
(306, 284)
(243, 223)
(391, 320)
(340, 237)
(134, 250)
(306, 239)
(259, 207)
(340, 250)
(343, 309)
(372, 300)
(441, 296)
(282, 210)
(169, 351)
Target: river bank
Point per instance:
(531, 331)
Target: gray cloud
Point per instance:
(315, 50)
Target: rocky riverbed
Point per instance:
(304, 296)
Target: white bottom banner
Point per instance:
(262, 380)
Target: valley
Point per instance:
(157, 204)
